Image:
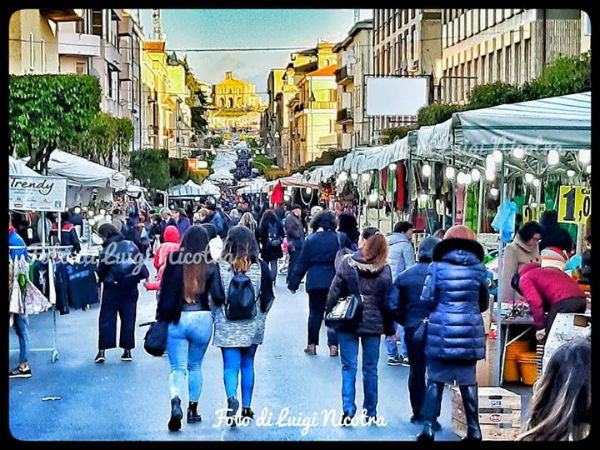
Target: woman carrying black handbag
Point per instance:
(455, 294)
(374, 286)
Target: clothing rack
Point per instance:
(51, 250)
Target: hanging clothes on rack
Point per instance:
(26, 298)
(460, 203)
(472, 207)
(400, 190)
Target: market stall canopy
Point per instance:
(19, 167)
(294, 181)
(432, 139)
(190, 190)
(560, 123)
(84, 172)
(319, 174)
(256, 186)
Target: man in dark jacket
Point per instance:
(294, 231)
(317, 260)
(166, 220)
(68, 235)
(409, 313)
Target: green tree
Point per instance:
(151, 167)
(197, 102)
(123, 137)
(46, 112)
(493, 94)
(390, 134)
(436, 113)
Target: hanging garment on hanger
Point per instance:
(414, 181)
(400, 192)
(504, 222)
(445, 185)
(384, 179)
(460, 202)
(472, 208)
(61, 287)
(20, 275)
(51, 287)
(39, 276)
(440, 207)
(438, 174)
(83, 287)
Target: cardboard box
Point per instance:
(499, 413)
(485, 367)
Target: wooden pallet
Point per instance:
(488, 432)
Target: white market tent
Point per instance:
(19, 167)
(191, 190)
(85, 173)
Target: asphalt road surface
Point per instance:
(130, 400)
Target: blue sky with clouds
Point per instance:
(236, 28)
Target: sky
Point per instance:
(239, 28)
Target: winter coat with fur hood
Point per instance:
(375, 288)
(455, 294)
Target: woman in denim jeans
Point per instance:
(239, 339)
(183, 302)
(369, 268)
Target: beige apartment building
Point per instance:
(508, 45)
(406, 42)
(354, 61)
(33, 39)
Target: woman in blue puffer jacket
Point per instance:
(456, 294)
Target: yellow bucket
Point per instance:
(528, 365)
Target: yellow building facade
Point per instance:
(234, 93)
(156, 87)
(236, 106)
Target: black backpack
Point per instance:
(240, 303)
(273, 238)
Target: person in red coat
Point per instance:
(547, 288)
(171, 244)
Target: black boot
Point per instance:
(471, 405)
(433, 399)
(247, 412)
(192, 413)
(176, 414)
(232, 408)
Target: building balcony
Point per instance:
(78, 44)
(125, 73)
(111, 54)
(62, 15)
(322, 105)
(345, 116)
(345, 75)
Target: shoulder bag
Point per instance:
(155, 341)
(348, 309)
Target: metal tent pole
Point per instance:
(481, 204)
(498, 369)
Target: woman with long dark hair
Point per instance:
(239, 339)
(187, 280)
(317, 262)
(365, 272)
(270, 236)
(561, 406)
(120, 269)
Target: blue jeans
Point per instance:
(392, 348)
(370, 357)
(21, 326)
(187, 342)
(236, 360)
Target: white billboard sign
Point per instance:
(39, 193)
(396, 96)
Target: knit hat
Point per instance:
(553, 257)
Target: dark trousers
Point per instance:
(569, 305)
(416, 376)
(317, 300)
(293, 259)
(117, 299)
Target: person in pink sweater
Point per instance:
(547, 288)
(171, 244)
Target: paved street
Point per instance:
(130, 401)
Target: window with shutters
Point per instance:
(490, 68)
(475, 13)
(80, 68)
(483, 69)
(482, 19)
(499, 15)
(43, 55)
(31, 53)
(412, 13)
(507, 65)
(444, 35)
(491, 17)
(498, 74)
(97, 22)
